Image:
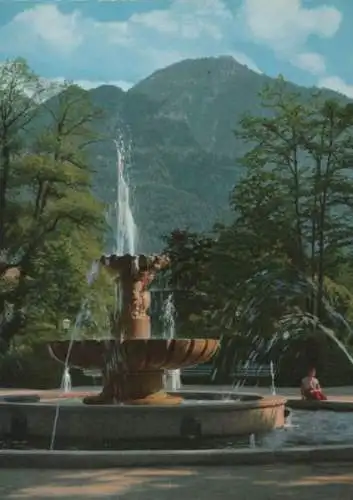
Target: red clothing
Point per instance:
(311, 390)
(314, 395)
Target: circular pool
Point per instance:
(202, 416)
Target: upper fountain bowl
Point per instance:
(137, 355)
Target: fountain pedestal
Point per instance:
(133, 364)
(139, 388)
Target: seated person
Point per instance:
(310, 387)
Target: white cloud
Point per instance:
(46, 24)
(122, 50)
(285, 26)
(337, 84)
(246, 61)
(311, 62)
(204, 18)
(92, 84)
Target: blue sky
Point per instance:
(123, 41)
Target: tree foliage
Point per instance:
(50, 222)
(190, 254)
(276, 271)
(301, 153)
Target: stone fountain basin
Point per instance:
(90, 426)
(137, 355)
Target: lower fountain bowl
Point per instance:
(202, 415)
(136, 355)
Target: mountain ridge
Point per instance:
(180, 121)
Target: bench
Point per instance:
(254, 373)
(199, 372)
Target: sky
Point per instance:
(123, 41)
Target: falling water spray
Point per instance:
(172, 377)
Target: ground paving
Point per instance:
(311, 482)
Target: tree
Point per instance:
(304, 151)
(189, 278)
(272, 271)
(61, 289)
(17, 110)
(45, 186)
(275, 265)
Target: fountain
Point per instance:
(66, 381)
(133, 363)
(133, 409)
(172, 379)
(273, 384)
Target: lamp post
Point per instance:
(66, 325)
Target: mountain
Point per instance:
(180, 121)
(209, 95)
